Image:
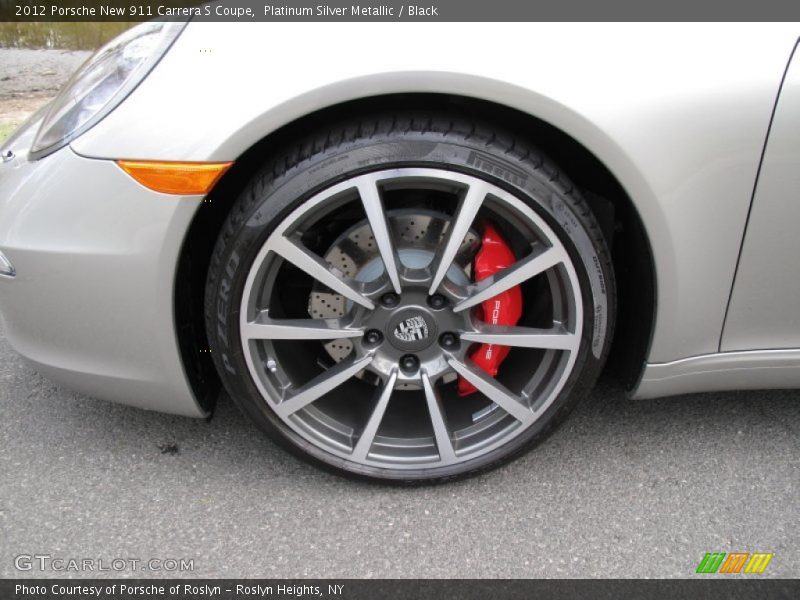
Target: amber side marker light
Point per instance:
(181, 178)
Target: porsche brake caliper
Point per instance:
(503, 309)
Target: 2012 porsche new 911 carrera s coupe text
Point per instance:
(407, 250)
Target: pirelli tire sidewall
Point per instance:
(274, 193)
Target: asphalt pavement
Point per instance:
(625, 489)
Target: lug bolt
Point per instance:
(409, 364)
(390, 300)
(448, 340)
(373, 337)
(437, 301)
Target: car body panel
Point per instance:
(764, 310)
(91, 305)
(751, 370)
(680, 121)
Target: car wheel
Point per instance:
(409, 297)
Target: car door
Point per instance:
(764, 308)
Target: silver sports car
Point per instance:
(405, 250)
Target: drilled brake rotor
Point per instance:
(416, 234)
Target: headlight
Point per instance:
(102, 83)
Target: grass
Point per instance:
(7, 128)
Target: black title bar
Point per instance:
(391, 10)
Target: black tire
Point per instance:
(413, 140)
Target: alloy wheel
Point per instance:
(360, 311)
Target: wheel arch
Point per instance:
(610, 186)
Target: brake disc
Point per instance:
(416, 233)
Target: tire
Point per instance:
(529, 196)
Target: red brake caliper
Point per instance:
(504, 309)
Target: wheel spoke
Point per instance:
(444, 444)
(321, 385)
(517, 273)
(494, 390)
(465, 215)
(556, 338)
(367, 438)
(264, 328)
(376, 215)
(317, 268)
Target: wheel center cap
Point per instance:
(411, 329)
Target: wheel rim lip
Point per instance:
(449, 178)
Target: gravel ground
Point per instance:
(29, 78)
(624, 489)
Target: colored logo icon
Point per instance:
(735, 562)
